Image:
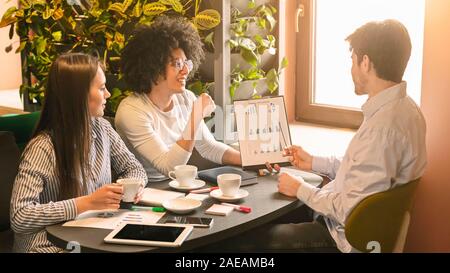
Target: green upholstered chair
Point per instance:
(382, 220)
(21, 125)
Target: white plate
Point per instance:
(218, 195)
(196, 185)
(181, 205)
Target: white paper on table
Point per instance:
(310, 178)
(110, 219)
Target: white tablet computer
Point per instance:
(163, 235)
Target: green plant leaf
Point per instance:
(284, 63)
(39, 2)
(115, 92)
(209, 39)
(254, 74)
(261, 22)
(137, 10)
(9, 12)
(21, 47)
(247, 44)
(97, 28)
(118, 7)
(176, 5)
(207, 19)
(196, 87)
(126, 4)
(8, 17)
(41, 44)
(57, 35)
(272, 21)
(153, 9)
(47, 12)
(251, 4)
(58, 14)
(250, 57)
(25, 4)
(272, 80)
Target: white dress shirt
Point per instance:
(151, 134)
(388, 150)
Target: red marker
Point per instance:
(204, 190)
(239, 208)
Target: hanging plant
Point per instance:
(251, 45)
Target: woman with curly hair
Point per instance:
(162, 122)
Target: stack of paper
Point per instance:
(155, 197)
(110, 219)
(217, 209)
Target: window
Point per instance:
(325, 90)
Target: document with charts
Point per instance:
(263, 131)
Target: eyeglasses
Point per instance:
(179, 64)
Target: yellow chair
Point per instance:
(380, 222)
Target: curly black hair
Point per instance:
(148, 51)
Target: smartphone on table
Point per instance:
(189, 220)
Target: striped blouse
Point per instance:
(34, 200)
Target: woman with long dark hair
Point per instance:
(66, 168)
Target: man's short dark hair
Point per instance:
(149, 50)
(388, 46)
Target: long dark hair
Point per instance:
(65, 117)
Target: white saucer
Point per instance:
(196, 185)
(181, 205)
(218, 195)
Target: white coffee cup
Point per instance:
(131, 188)
(184, 174)
(229, 184)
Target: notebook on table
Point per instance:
(210, 175)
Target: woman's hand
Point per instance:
(106, 197)
(299, 157)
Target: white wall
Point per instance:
(10, 70)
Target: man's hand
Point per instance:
(289, 185)
(299, 157)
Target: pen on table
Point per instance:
(204, 190)
(155, 209)
(237, 207)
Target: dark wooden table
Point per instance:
(266, 203)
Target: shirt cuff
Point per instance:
(305, 191)
(320, 164)
(70, 209)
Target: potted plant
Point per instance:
(253, 49)
(99, 27)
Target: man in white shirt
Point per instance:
(388, 150)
